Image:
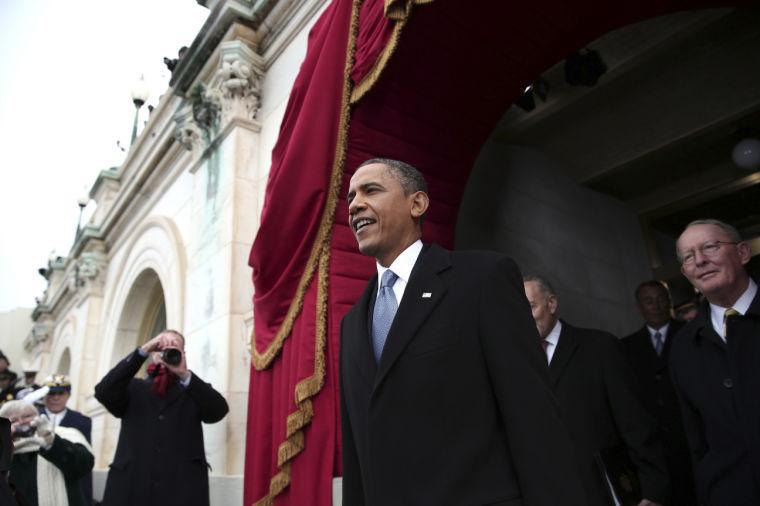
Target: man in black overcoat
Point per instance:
(715, 366)
(648, 351)
(160, 458)
(445, 393)
(599, 398)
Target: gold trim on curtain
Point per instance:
(319, 257)
(398, 11)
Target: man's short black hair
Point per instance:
(654, 284)
(411, 179)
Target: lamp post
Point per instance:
(82, 203)
(140, 94)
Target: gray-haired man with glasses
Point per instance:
(715, 365)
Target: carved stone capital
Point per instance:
(238, 81)
(40, 333)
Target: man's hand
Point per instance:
(647, 502)
(166, 340)
(45, 430)
(179, 369)
(158, 343)
(25, 442)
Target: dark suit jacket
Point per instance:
(6, 456)
(661, 401)
(600, 401)
(83, 424)
(459, 410)
(719, 388)
(160, 457)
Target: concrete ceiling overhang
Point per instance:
(658, 129)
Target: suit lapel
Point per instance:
(565, 349)
(414, 308)
(357, 330)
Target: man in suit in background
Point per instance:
(444, 391)
(715, 366)
(59, 392)
(599, 399)
(648, 350)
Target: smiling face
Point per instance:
(720, 277)
(385, 220)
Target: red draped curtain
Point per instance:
(393, 78)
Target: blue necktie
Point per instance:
(658, 343)
(385, 310)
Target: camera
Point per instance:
(25, 430)
(171, 356)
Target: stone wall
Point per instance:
(590, 246)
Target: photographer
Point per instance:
(160, 457)
(48, 464)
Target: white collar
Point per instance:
(403, 264)
(58, 415)
(553, 336)
(742, 303)
(662, 330)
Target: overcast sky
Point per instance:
(66, 69)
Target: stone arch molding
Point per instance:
(64, 342)
(155, 246)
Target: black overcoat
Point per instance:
(661, 401)
(718, 385)
(459, 410)
(160, 458)
(600, 400)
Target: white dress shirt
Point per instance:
(663, 334)
(553, 340)
(55, 418)
(742, 304)
(401, 267)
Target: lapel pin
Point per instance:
(426, 295)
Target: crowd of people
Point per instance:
(459, 384)
(454, 390)
(46, 454)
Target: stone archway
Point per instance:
(146, 292)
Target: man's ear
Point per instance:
(420, 203)
(745, 254)
(552, 301)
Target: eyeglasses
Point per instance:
(708, 249)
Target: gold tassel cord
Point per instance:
(319, 259)
(399, 13)
(263, 360)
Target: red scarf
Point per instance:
(162, 378)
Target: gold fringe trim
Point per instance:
(263, 360)
(320, 258)
(400, 13)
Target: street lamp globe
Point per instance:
(139, 92)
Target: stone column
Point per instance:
(218, 124)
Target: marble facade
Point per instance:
(169, 241)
